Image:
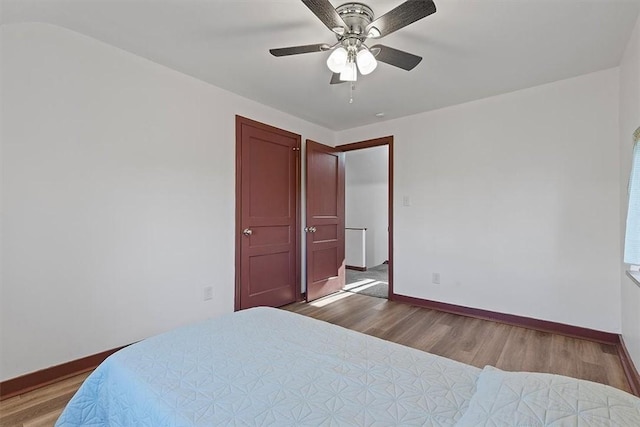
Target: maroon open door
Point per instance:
(267, 219)
(325, 220)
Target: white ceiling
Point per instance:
(471, 49)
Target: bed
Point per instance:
(266, 366)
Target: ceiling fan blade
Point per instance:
(295, 50)
(403, 15)
(327, 14)
(397, 58)
(335, 79)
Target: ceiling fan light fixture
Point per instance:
(366, 62)
(353, 23)
(337, 60)
(349, 73)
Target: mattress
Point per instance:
(266, 366)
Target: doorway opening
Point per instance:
(369, 217)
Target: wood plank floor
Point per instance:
(473, 341)
(40, 407)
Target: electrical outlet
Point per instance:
(435, 278)
(207, 293)
(406, 201)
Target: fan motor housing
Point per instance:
(357, 16)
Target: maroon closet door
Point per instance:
(267, 215)
(325, 220)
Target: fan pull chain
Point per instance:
(352, 86)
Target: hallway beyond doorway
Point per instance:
(372, 282)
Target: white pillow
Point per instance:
(533, 399)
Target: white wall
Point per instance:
(366, 198)
(629, 122)
(118, 194)
(514, 200)
(118, 198)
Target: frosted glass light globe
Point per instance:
(337, 60)
(366, 62)
(349, 72)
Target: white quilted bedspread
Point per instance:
(270, 367)
(536, 400)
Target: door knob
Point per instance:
(247, 232)
(312, 229)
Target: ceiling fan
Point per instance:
(355, 23)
